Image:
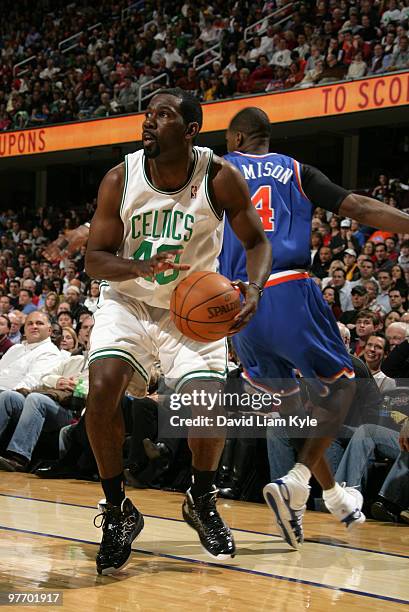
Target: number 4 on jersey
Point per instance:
(262, 203)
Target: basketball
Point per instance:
(204, 305)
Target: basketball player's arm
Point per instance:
(105, 238)
(229, 193)
(324, 193)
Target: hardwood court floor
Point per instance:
(48, 543)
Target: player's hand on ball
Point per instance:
(159, 263)
(251, 296)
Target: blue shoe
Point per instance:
(287, 498)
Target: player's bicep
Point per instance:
(320, 190)
(106, 229)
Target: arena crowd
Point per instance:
(101, 71)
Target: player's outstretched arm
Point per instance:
(229, 192)
(106, 234)
(324, 193)
(374, 213)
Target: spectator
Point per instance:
(24, 364)
(344, 289)
(366, 324)
(69, 340)
(92, 298)
(51, 304)
(65, 319)
(385, 282)
(397, 300)
(331, 296)
(47, 408)
(396, 333)
(400, 59)
(84, 332)
(25, 302)
(359, 298)
(376, 348)
(5, 327)
(357, 68)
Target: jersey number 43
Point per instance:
(262, 203)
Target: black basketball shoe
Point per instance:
(120, 526)
(201, 514)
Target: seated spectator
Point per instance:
(46, 407)
(378, 64)
(385, 281)
(227, 85)
(73, 297)
(359, 298)
(92, 298)
(107, 107)
(331, 296)
(397, 300)
(24, 364)
(69, 340)
(295, 76)
(17, 319)
(376, 348)
(344, 288)
(243, 84)
(51, 304)
(65, 319)
(357, 68)
(351, 265)
(278, 80)
(5, 342)
(332, 70)
(281, 57)
(25, 301)
(396, 333)
(261, 75)
(392, 317)
(321, 263)
(84, 332)
(366, 324)
(400, 59)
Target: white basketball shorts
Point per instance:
(142, 335)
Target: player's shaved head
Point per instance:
(190, 107)
(251, 121)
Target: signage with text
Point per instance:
(387, 91)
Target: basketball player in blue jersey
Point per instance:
(159, 215)
(293, 327)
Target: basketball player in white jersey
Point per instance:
(159, 217)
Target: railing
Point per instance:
(141, 98)
(126, 12)
(216, 55)
(254, 30)
(26, 61)
(73, 41)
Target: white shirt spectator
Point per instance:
(172, 57)
(23, 366)
(391, 16)
(75, 366)
(384, 382)
(281, 58)
(383, 301)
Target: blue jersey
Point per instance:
(274, 181)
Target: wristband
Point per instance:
(260, 289)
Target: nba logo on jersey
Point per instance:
(193, 191)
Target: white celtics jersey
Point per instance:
(156, 221)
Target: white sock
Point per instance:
(334, 496)
(300, 473)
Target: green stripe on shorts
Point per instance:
(119, 354)
(200, 375)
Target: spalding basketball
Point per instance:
(204, 305)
